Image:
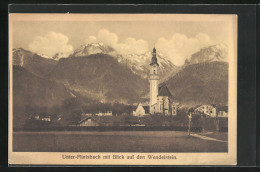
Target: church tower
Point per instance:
(154, 81)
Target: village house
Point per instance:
(222, 111)
(211, 110)
(208, 110)
(105, 113)
(43, 118)
(88, 121)
(100, 113)
(141, 111)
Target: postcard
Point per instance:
(122, 89)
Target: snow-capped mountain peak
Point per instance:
(93, 48)
(45, 56)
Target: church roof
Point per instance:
(164, 91)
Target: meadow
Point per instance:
(114, 141)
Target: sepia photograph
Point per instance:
(122, 89)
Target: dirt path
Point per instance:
(207, 138)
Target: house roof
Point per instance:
(164, 91)
(146, 108)
(197, 106)
(222, 108)
(85, 119)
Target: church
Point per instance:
(161, 99)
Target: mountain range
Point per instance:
(32, 90)
(101, 77)
(201, 83)
(33, 62)
(138, 63)
(212, 53)
(99, 73)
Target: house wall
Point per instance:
(108, 113)
(140, 111)
(223, 114)
(164, 104)
(174, 109)
(208, 110)
(154, 109)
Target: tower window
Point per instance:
(153, 71)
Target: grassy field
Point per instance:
(114, 141)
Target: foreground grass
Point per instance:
(113, 141)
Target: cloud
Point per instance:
(128, 46)
(179, 46)
(91, 39)
(107, 37)
(50, 44)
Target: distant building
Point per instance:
(88, 121)
(100, 113)
(46, 119)
(42, 118)
(208, 110)
(141, 111)
(161, 99)
(222, 111)
(105, 113)
(37, 117)
(211, 110)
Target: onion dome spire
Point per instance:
(154, 59)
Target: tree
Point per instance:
(71, 111)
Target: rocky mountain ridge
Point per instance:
(218, 52)
(99, 73)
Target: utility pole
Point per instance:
(217, 122)
(190, 116)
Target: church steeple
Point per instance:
(154, 81)
(154, 52)
(154, 59)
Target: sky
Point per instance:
(175, 36)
